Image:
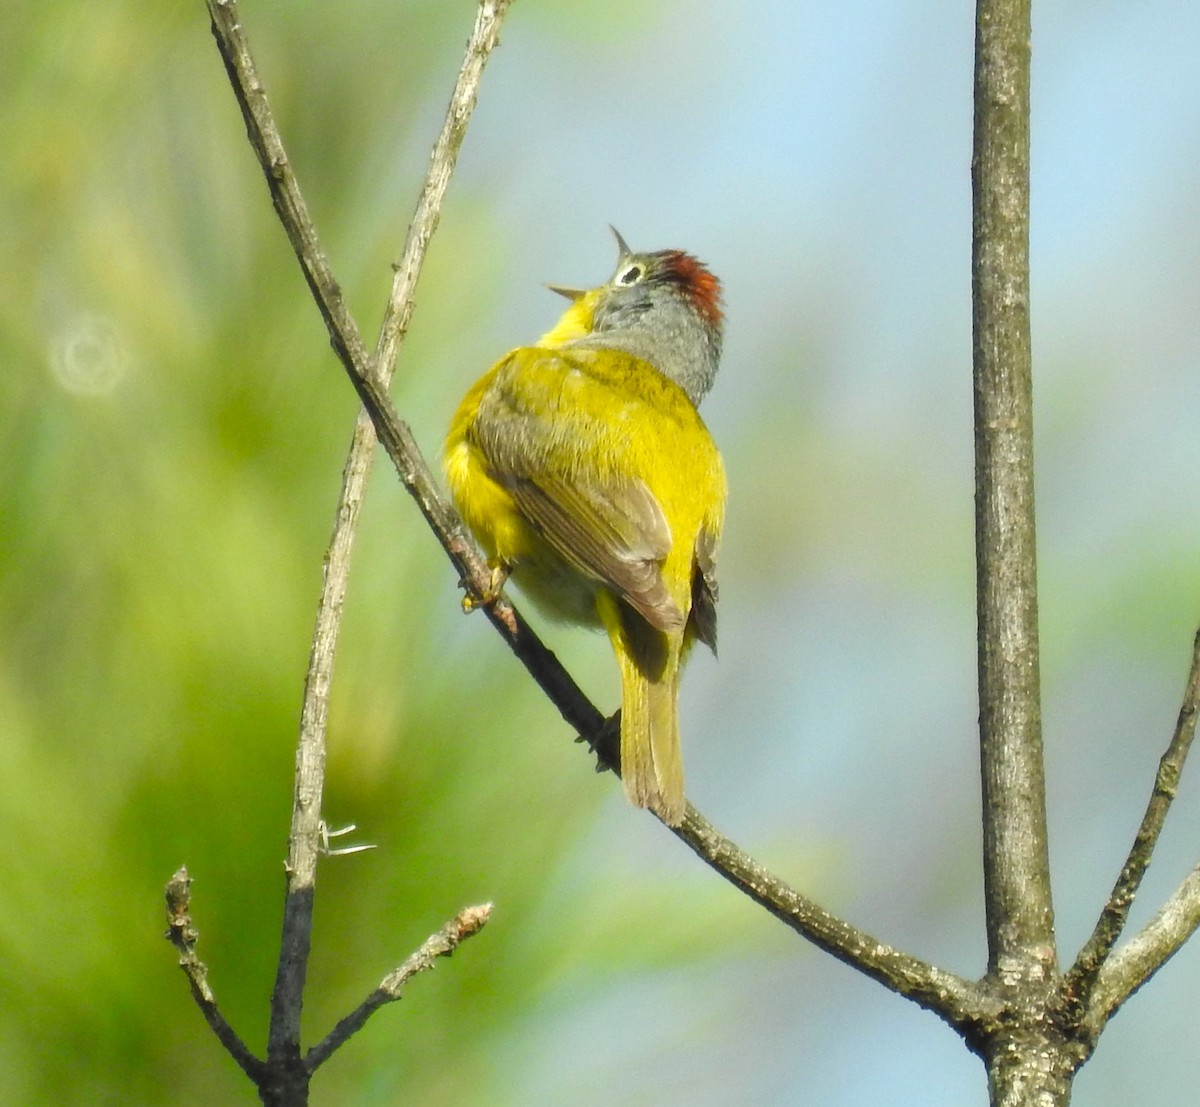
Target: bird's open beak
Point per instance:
(622, 245)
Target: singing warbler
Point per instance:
(584, 469)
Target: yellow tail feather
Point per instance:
(651, 758)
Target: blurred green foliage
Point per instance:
(171, 432)
(172, 426)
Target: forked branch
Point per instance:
(1100, 981)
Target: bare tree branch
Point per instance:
(289, 204)
(1020, 917)
(1029, 1058)
(1117, 979)
(304, 840)
(1140, 958)
(468, 922)
(484, 39)
(183, 936)
(960, 1002)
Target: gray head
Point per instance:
(664, 307)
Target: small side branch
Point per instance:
(467, 923)
(1134, 963)
(485, 37)
(1117, 979)
(183, 936)
(289, 203)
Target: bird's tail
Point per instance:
(651, 758)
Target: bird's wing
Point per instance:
(703, 617)
(615, 533)
(539, 434)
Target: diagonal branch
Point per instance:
(289, 204)
(1134, 964)
(484, 38)
(183, 935)
(962, 1003)
(1140, 958)
(467, 923)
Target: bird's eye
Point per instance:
(630, 276)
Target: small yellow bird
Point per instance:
(584, 469)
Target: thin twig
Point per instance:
(484, 38)
(183, 936)
(1083, 975)
(468, 922)
(1144, 954)
(285, 192)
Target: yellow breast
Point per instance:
(483, 503)
(586, 416)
